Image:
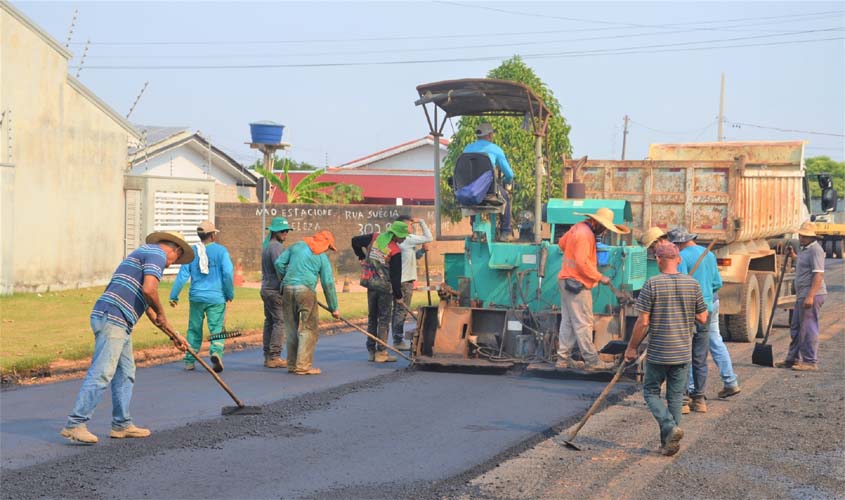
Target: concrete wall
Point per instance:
(7, 227)
(240, 226)
(69, 151)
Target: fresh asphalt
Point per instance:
(358, 430)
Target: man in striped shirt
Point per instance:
(669, 304)
(132, 291)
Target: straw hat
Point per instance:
(604, 216)
(651, 235)
(173, 237)
(808, 229)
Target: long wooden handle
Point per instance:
(777, 296)
(216, 377)
(368, 334)
(427, 279)
(701, 257)
(408, 310)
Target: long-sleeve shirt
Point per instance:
(409, 252)
(497, 156)
(299, 266)
(269, 279)
(578, 246)
(359, 246)
(707, 273)
(216, 287)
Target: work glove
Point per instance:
(509, 187)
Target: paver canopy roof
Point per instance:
(482, 96)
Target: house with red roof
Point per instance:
(400, 175)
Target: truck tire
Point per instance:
(766, 282)
(743, 327)
(837, 248)
(828, 248)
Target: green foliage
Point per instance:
(821, 165)
(243, 199)
(517, 144)
(309, 189)
(279, 164)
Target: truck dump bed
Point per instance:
(729, 191)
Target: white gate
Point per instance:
(181, 212)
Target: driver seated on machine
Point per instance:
(484, 144)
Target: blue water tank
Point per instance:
(266, 132)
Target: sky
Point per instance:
(341, 76)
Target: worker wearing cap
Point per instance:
(484, 144)
(300, 266)
(132, 291)
(668, 306)
(212, 287)
(810, 291)
(271, 294)
(410, 254)
(578, 275)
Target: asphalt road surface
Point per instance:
(362, 430)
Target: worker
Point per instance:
(707, 338)
(212, 287)
(484, 144)
(668, 306)
(271, 294)
(810, 292)
(578, 275)
(410, 254)
(381, 272)
(132, 291)
(299, 268)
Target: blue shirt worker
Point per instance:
(212, 287)
(299, 267)
(484, 144)
(271, 294)
(668, 305)
(810, 292)
(132, 291)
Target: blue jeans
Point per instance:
(668, 416)
(506, 216)
(698, 368)
(719, 351)
(112, 363)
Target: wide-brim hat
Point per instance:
(484, 129)
(173, 237)
(320, 242)
(278, 224)
(604, 216)
(681, 235)
(808, 229)
(651, 235)
(399, 229)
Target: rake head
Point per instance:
(225, 335)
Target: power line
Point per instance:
(685, 132)
(810, 132)
(617, 51)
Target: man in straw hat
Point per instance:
(810, 292)
(299, 267)
(668, 305)
(381, 259)
(271, 294)
(484, 144)
(132, 291)
(212, 287)
(578, 275)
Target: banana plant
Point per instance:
(309, 189)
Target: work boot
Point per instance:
(402, 346)
(600, 366)
(673, 442)
(216, 363)
(310, 371)
(383, 357)
(371, 356)
(805, 367)
(784, 364)
(189, 367)
(274, 362)
(698, 404)
(80, 434)
(727, 392)
(130, 432)
(685, 406)
(562, 364)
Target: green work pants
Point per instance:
(215, 314)
(299, 305)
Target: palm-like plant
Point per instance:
(309, 189)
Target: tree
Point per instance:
(309, 189)
(279, 163)
(517, 144)
(821, 165)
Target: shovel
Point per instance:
(622, 366)
(762, 354)
(368, 334)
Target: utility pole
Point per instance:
(625, 136)
(720, 134)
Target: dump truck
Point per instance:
(747, 197)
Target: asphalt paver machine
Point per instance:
(500, 302)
